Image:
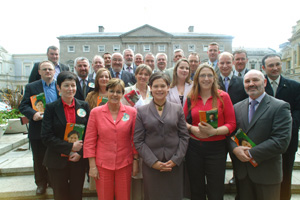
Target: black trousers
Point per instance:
(40, 171)
(288, 159)
(67, 183)
(206, 160)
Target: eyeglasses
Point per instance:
(206, 75)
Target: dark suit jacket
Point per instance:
(134, 68)
(91, 78)
(161, 138)
(236, 89)
(270, 130)
(53, 130)
(79, 92)
(26, 109)
(127, 77)
(34, 75)
(289, 90)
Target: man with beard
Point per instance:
(84, 85)
(129, 66)
(267, 122)
(240, 61)
(117, 72)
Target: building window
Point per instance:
(86, 48)
(221, 48)
(146, 47)
(252, 65)
(176, 46)
(27, 69)
(132, 47)
(191, 47)
(116, 48)
(161, 47)
(71, 48)
(101, 48)
(205, 48)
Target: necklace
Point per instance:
(160, 107)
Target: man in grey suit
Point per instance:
(98, 62)
(129, 65)
(240, 61)
(213, 52)
(267, 122)
(117, 72)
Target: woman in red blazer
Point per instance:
(109, 145)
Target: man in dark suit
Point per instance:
(117, 72)
(240, 60)
(53, 56)
(129, 65)
(84, 84)
(228, 82)
(289, 91)
(97, 63)
(47, 86)
(267, 122)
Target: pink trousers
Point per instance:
(114, 183)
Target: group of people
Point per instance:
(158, 147)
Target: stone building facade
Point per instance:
(291, 54)
(142, 40)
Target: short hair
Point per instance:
(98, 56)
(227, 54)
(81, 59)
(161, 54)
(269, 56)
(106, 53)
(142, 67)
(159, 75)
(138, 54)
(114, 82)
(149, 54)
(37, 101)
(238, 51)
(213, 44)
(194, 54)
(45, 61)
(117, 54)
(128, 50)
(178, 50)
(74, 132)
(65, 75)
(98, 74)
(54, 48)
(175, 78)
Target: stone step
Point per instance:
(11, 141)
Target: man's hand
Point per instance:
(241, 153)
(38, 116)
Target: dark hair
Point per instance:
(158, 75)
(238, 51)
(74, 132)
(106, 53)
(269, 56)
(51, 47)
(65, 75)
(114, 82)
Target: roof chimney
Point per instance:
(191, 29)
(101, 29)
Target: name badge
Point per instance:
(91, 85)
(81, 112)
(125, 117)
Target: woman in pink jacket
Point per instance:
(109, 145)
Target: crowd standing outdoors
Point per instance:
(143, 134)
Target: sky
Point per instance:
(31, 26)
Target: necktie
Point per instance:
(117, 74)
(84, 88)
(274, 85)
(128, 69)
(252, 109)
(240, 74)
(226, 83)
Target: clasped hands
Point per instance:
(204, 130)
(164, 166)
(242, 153)
(74, 156)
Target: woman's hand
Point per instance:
(74, 157)
(77, 145)
(168, 165)
(162, 167)
(135, 167)
(206, 130)
(94, 173)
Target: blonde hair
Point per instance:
(175, 77)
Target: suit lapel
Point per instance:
(154, 111)
(60, 112)
(175, 94)
(221, 84)
(79, 87)
(232, 81)
(281, 86)
(121, 113)
(166, 108)
(244, 111)
(268, 88)
(261, 109)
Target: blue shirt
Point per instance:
(49, 91)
